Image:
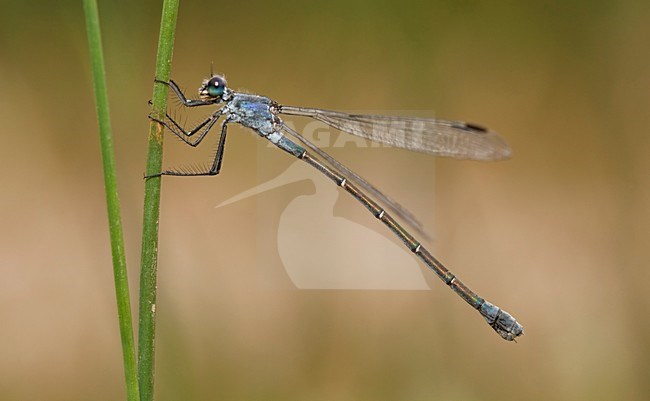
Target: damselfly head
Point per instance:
(214, 88)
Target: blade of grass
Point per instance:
(149, 260)
(112, 199)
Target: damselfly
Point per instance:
(437, 137)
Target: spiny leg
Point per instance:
(181, 96)
(218, 158)
(179, 128)
(181, 133)
(216, 164)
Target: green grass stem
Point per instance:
(149, 260)
(112, 199)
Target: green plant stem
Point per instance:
(149, 261)
(112, 199)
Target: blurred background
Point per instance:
(557, 235)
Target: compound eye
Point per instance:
(216, 86)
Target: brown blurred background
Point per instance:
(557, 236)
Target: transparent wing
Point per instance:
(390, 204)
(437, 137)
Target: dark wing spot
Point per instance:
(471, 127)
(476, 127)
